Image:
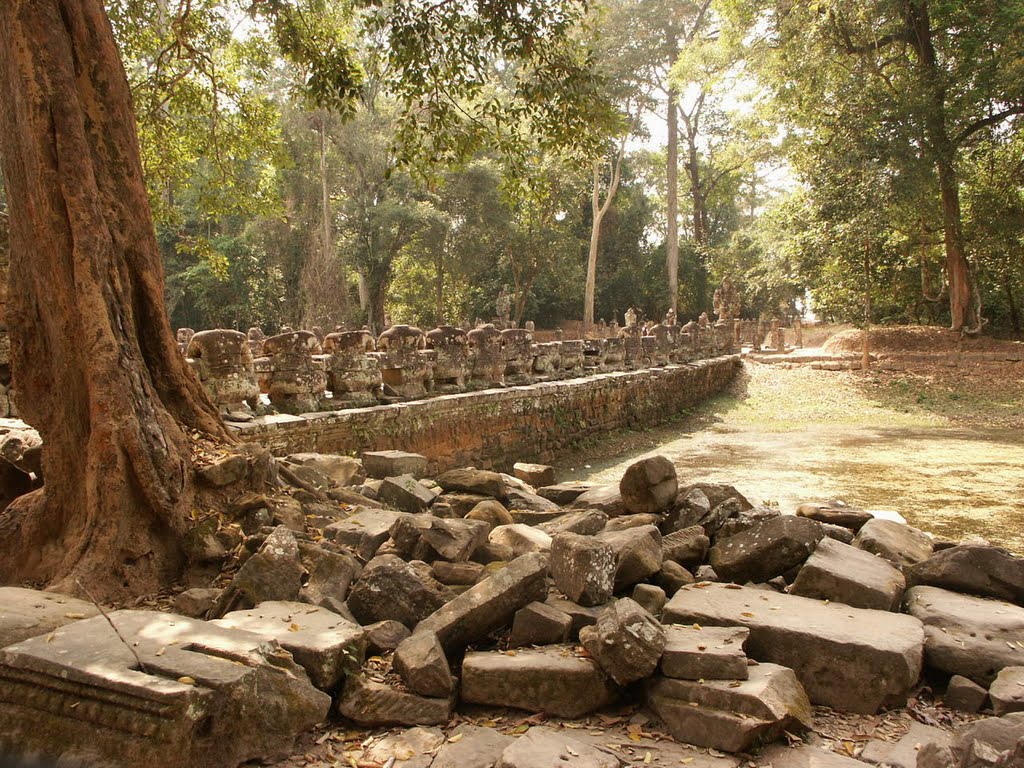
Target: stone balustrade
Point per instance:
(351, 369)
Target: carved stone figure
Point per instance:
(453, 364)
(406, 366)
(503, 304)
(798, 332)
(726, 300)
(353, 375)
(517, 349)
(631, 318)
(670, 318)
(488, 359)
(224, 363)
(296, 378)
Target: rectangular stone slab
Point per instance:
(704, 653)
(851, 659)
(490, 604)
(551, 679)
(26, 613)
(323, 643)
(202, 696)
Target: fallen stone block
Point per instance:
(671, 577)
(479, 481)
(766, 550)
(328, 575)
(732, 716)
(603, 498)
(539, 624)
(537, 475)
(845, 574)
(489, 605)
(551, 679)
(521, 539)
(564, 494)
(649, 486)
(369, 703)
(421, 663)
(651, 598)
(471, 746)
(994, 742)
(964, 695)
(458, 504)
(454, 540)
(976, 570)
(384, 636)
(850, 659)
(532, 505)
(581, 615)
(275, 572)
(1007, 691)
(546, 747)
(638, 554)
(194, 603)
(835, 512)
(965, 635)
(322, 643)
(583, 568)
(585, 522)
(176, 692)
(28, 613)
(805, 756)
(364, 531)
(406, 493)
(491, 512)
(687, 546)
(900, 544)
(623, 522)
(903, 753)
(390, 588)
(626, 641)
(381, 464)
(457, 574)
(694, 652)
(341, 470)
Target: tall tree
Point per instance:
(98, 371)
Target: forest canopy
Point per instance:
(314, 163)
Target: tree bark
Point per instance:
(962, 310)
(672, 200)
(98, 370)
(598, 211)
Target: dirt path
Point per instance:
(945, 450)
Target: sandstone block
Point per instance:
(472, 746)
(390, 588)
(489, 605)
(585, 522)
(766, 550)
(550, 679)
(1007, 691)
(638, 554)
(324, 644)
(965, 635)
(28, 613)
(372, 704)
(203, 695)
(491, 512)
(406, 493)
(695, 652)
(583, 568)
(964, 695)
(649, 486)
(381, 464)
(851, 659)
(845, 574)
(604, 498)
(423, 667)
(537, 475)
(546, 747)
(900, 544)
(480, 481)
(364, 531)
(976, 570)
(275, 572)
(728, 716)
(687, 546)
(650, 597)
(521, 539)
(564, 494)
(995, 742)
(539, 624)
(626, 641)
(835, 512)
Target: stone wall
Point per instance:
(494, 428)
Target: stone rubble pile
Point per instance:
(369, 593)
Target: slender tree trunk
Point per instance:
(1014, 314)
(865, 352)
(672, 201)
(98, 371)
(958, 274)
(598, 211)
(327, 232)
(375, 293)
(439, 287)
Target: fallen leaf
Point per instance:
(186, 681)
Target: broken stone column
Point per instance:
(183, 336)
(627, 642)
(488, 359)
(452, 363)
(406, 366)
(571, 358)
(224, 363)
(296, 380)
(256, 337)
(632, 346)
(614, 354)
(353, 376)
(175, 692)
(517, 348)
(594, 355)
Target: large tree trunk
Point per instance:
(672, 200)
(98, 371)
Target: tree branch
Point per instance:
(993, 119)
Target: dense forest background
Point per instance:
(806, 150)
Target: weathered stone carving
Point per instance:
(453, 364)
(256, 338)
(183, 337)
(547, 360)
(353, 375)
(488, 359)
(727, 300)
(406, 366)
(517, 348)
(572, 358)
(295, 379)
(224, 363)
